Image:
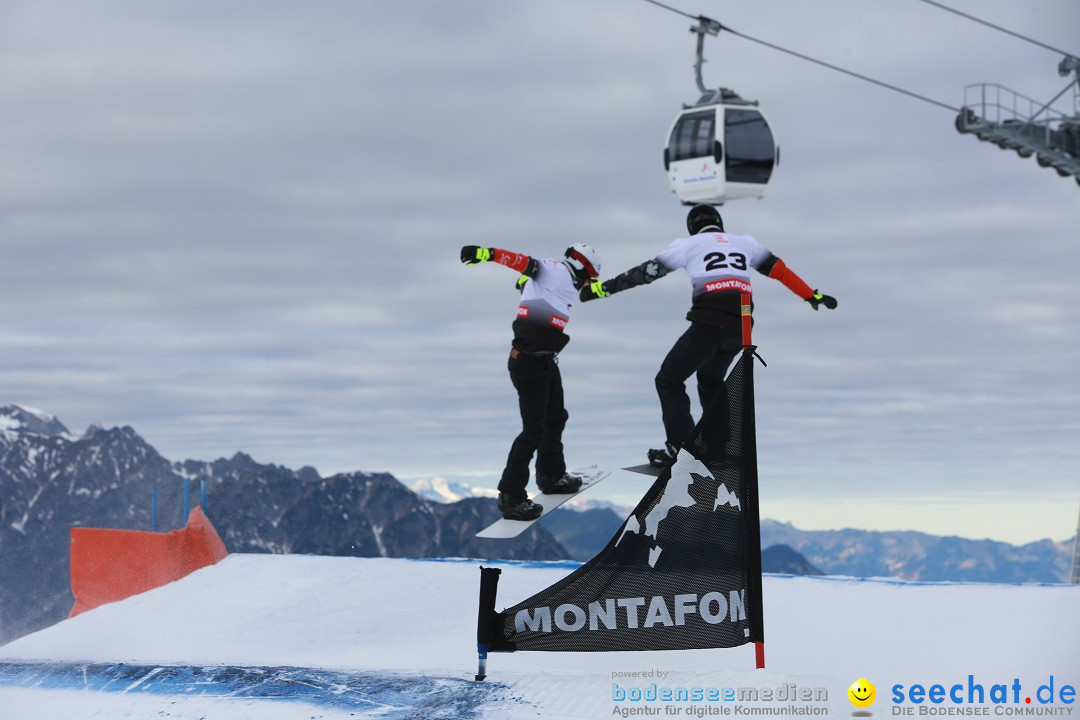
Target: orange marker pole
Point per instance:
(746, 319)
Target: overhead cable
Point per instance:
(868, 79)
(837, 68)
(674, 10)
(998, 27)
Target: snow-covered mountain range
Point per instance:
(52, 479)
(439, 489)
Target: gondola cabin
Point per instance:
(720, 150)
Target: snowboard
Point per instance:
(647, 469)
(503, 529)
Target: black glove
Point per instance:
(474, 254)
(819, 299)
(593, 291)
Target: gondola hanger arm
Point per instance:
(705, 26)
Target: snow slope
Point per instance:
(282, 637)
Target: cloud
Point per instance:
(235, 227)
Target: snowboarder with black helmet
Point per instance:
(549, 287)
(718, 264)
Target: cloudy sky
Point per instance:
(235, 226)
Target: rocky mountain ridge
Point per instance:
(52, 480)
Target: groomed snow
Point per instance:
(412, 621)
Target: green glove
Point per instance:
(819, 299)
(520, 284)
(474, 254)
(593, 291)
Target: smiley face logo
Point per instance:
(862, 693)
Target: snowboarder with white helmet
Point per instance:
(549, 287)
(718, 264)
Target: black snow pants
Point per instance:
(703, 349)
(543, 417)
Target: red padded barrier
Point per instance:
(110, 565)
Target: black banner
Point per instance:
(684, 570)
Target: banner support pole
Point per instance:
(489, 587)
(748, 346)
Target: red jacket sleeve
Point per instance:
(512, 260)
(791, 281)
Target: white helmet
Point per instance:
(583, 260)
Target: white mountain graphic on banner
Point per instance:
(686, 470)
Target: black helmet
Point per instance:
(703, 216)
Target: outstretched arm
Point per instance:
(775, 268)
(642, 274)
(474, 255)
